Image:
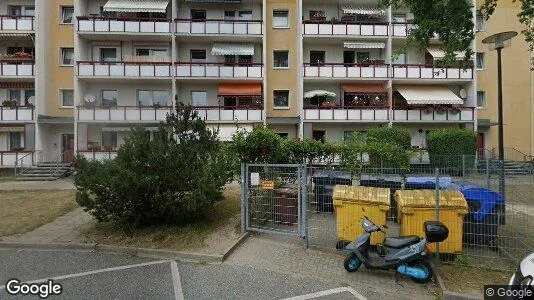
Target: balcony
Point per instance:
(8, 159)
(401, 29)
(17, 114)
(123, 25)
(339, 70)
(17, 68)
(123, 114)
(124, 69)
(465, 114)
(230, 113)
(341, 28)
(17, 23)
(98, 155)
(207, 27)
(431, 72)
(350, 113)
(219, 70)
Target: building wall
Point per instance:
(125, 49)
(51, 139)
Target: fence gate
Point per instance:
(274, 198)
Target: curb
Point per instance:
(132, 251)
(449, 295)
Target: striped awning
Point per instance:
(364, 45)
(240, 89)
(11, 129)
(417, 95)
(438, 53)
(16, 85)
(232, 49)
(363, 10)
(156, 6)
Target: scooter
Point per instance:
(406, 255)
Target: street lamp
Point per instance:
(498, 42)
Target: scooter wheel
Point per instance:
(352, 263)
(426, 267)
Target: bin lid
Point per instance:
(332, 174)
(429, 181)
(382, 177)
(427, 199)
(362, 194)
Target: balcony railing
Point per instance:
(17, 23)
(98, 155)
(348, 113)
(230, 113)
(234, 27)
(130, 25)
(124, 69)
(219, 70)
(466, 114)
(15, 68)
(8, 159)
(19, 113)
(333, 70)
(344, 28)
(123, 113)
(401, 29)
(431, 72)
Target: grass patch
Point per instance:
(170, 237)
(468, 280)
(23, 211)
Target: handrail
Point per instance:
(342, 22)
(218, 20)
(309, 64)
(346, 107)
(19, 163)
(123, 19)
(16, 60)
(237, 64)
(94, 62)
(17, 17)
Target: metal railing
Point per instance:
(97, 155)
(359, 113)
(420, 114)
(21, 164)
(340, 70)
(230, 113)
(401, 29)
(128, 69)
(219, 70)
(318, 27)
(12, 68)
(25, 23)
(219, 26)
(421, 71)
(129, 25)
(123, 113)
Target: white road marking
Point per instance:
(94, 272)
(329, 292)
(177, 284)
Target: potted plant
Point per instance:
(441, 109)
(108, 148)
(328, 104)
(10, 103)
(455, 110)
(428, 109)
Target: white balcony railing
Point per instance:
(340, 28)
(15, 68)
(98, 155)
(218, 70)
(431, 72)
(8, 159)
(401, 29)
(126, 25)
(230, 113)
(124, 69)
(334, 70)
(17, 114)
(465, 114)
(371, 114)
(17, 23)
(123, 113)
(233, 27)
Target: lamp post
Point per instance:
(498, 42)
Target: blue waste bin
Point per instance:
(426, 183)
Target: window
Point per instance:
(481, 21)
(143, 98)
(480, 60)
(284, 135)
(229, 15)
(198, 15)
(199, 98)
(67, 98)
(281, 99)
(15, 141)
(109, 139)
(109, 98)
(245, 15)
(156, 53)
(319, 135)
(156, 98)
(108, 54)
(18, 10)
(348, 57)
(161, 98)
(399, 18)
(280, 19)
(198, 55)
(400, 59)
(66, 14)
(317, 58)
(362, 57)
(21, 96)
(67, 56)
(481, 99)
(280, 59)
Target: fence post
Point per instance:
(304, 205)
(437, 204)
(463, 165)
(243, 198)
(488, 175)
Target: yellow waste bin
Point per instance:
(348, 204)
(417, 206)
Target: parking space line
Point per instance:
(95, 272)
(177, 284)
(329, 292)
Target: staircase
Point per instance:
(511, 167)
(46, 171)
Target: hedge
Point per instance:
(394, 135)
(451, 148)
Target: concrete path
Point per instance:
(60, 184)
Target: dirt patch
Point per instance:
(212, 234)
(469, 280)
(23, 211)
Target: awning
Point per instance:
(156, 6)
(364, 45)
(438, 53)
(11, 129)
(415, 95)
(16, 85)
(232, 49)
(240, 89)
(363, 88)
(363, 10)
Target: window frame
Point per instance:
(275, 51)
(191, 51)
(62, 57)
(288, 99)
(62, 9)
(198, 11)
(62, 97)
(111, 138)
(278, 11)
(484, 98)
(21, 140)
(102, 98)
(480, 16)
(205, 92)
(482, 61)
(103, 49)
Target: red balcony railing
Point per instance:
(219, 70)
(123, 113)
(339, 70)
(230, 113)
(415, 71)
(10, 158)
(124, 69)
(216, 26)
(347, 113)
(19, 113)
(22, 23)
(130, 25)
(14, 68)
(311, 27)
(466, 114)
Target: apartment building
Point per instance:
(307, 69)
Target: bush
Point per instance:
(447, 146)
(262, 145)
(394, 135)
(389, 147)
(171, 179)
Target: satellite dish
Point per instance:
(463, 94)
(89, 98)
(31, 100)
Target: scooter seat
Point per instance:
(400, 242)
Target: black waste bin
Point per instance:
(393, 182)
(324, 188)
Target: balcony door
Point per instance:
(349, 58)
(67, 148)
(199, 98)
(317, 58)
